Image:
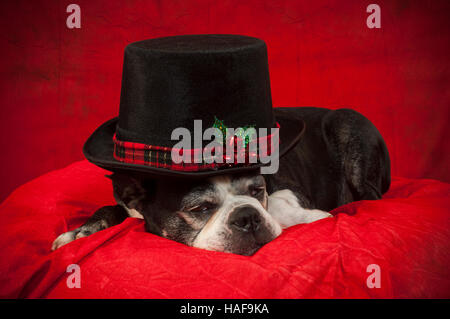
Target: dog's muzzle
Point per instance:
(248, 223)
(241, 226)
(245, 219)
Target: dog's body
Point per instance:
(341, 158)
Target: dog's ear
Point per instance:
(130, 190)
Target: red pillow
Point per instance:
(406, 234)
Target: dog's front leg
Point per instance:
(103, 218)
(284, 207)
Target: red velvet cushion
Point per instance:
(407, 234)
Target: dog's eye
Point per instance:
(256, 191)
(203, 208)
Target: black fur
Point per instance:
(341, 158)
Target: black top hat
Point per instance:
(169, 82)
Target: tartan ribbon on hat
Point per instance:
(161, 156)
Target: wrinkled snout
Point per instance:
(250, 229)
(245, 219)
(241, 226)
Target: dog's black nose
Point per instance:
(245, 219)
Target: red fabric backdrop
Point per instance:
(58, 84)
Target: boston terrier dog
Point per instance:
(341, 158)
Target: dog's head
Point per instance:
(226, 213)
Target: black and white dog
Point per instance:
(341, 158)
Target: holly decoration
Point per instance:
(220, 125)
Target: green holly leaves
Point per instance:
(240, 133)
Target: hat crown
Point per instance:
(170, 82)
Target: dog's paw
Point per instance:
(68, 237)
(284, 197)
(285, 208)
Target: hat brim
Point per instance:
(99, 148)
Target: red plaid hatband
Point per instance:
(161, 157)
